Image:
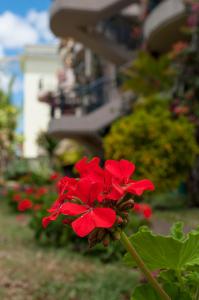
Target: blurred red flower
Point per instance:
(54, 176)
(17, 197)
(24, 205)
(144, 209)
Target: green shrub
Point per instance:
(148, 75)
(162, 148)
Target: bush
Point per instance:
(162, 148)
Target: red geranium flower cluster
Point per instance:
(25, 198)
(97, 203)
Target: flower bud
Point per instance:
(126, 205)
(116, 235)
(92, 239)
(125, 221)
(106, 240)
(119, 220)
(101, 234)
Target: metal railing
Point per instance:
(82, 99)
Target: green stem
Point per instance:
(179, 277)
(154, 283)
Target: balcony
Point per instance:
(85, 22)
(84, 112)
(163, 26)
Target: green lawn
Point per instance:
(30, 272)
(163, 220)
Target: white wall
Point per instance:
(37, 64)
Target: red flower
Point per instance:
(143, 209)
(24, 205)
(123, 170)
(41, 192)
(54, 176)
(91, 217)
(84, 167)
(98, 198)
(37, 207)
(93, 172)
(29, 190)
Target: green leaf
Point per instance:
(177, 231)
(165, 252)
(146, 292)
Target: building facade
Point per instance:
(40, 64)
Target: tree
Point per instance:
(8, 124)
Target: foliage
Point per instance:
(61, 153)
(186, 88)
(176, 255)
(149, 75)
(47, 143)
(29, 171)
(8, 123)
(156, 143)
(56, 234)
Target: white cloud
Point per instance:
(2, 54)
(40, 21)
(4, 81)
(17, 31)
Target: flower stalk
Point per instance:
(140, 263)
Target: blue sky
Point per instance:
(22, 6)
(22, 22)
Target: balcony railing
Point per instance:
(80, 100)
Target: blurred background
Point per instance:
(118, 79)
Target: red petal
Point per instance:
(81, 165)
(84, 165)
(88, 191)
(138, 187)
(47, 220)
(121, 169)
(73, 209)
(83, 225)
(116, 193)
(103, 217)
(66, 183)
(127, 167)
(57, 204)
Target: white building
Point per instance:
(40, 64)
